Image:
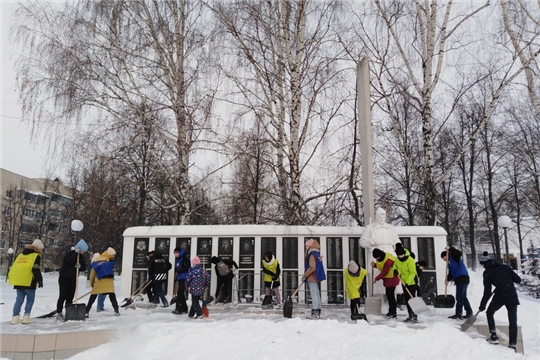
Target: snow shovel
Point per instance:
(469, 322)
(372, 305)
(288, 305)
(445, 301)
(417, 304)
(359, 315)
(137, 292)
(76, 312)
(52, 313)
(267, 301)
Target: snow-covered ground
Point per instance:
(243, 332)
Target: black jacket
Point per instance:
(158, 268)
(68, 269)
(503, 278)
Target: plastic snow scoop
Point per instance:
(445, 301)
(288, 305)
(267, 301)
(137, 292)
(417, 304)
(469, 322)
(52, 313)
(372, 305)
(359, 315)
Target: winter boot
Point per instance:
(26, 319)
(456, 317)
(494, 339)
(513, 347)
(314, 314)
(319, 313)
(59, 317)
(15, 320)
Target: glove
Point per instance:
(482, 308)
(78, 265)
(275, 278)
(40, 284)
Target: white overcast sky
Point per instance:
(18, 154)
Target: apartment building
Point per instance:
(33, 208)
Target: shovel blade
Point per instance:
(75, 312)
(267, 300)
(444, 301)
(288, 308)
(468, 323)
(418, 305)
(355, 317)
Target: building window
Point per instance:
(9, 194)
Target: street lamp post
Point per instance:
(505, 222)
(10, 252)
(76, 226)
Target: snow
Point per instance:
(244, 332)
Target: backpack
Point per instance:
(223, 269)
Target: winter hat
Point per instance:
(400, 251)
(81, 246)
(378, 253)
(484, 257)
(398, 245)
(196, 261)
(422, 263)
(111, 251)
(38, 243)
(176, 250)
(95, 256)
(310, 242)
(443, 254)
(353, 267)
(214, 260)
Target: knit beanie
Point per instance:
(309, 243)
(378, 253)
(353, 267)
(484, 257)
(38, 243)
(95, 256)
(81, 246)
(400, 251)
(444, 253)
(196, 261)
(214, 260)
(176, 250)
(111, 251)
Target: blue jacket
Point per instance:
(456, 268)
(181, 266)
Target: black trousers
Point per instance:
(512, 320)
(181, 304)
(66, 292)
(390, 295)
(413, 289)
(224, 288)
(112, 298)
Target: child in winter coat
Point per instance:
(197, 281)
(314, 273)
(406, 268)
(384, 262)
(354, 276)
(271, 270)
(102, 279)
(25, 276)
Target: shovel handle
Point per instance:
(446, 275)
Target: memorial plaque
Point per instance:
(426, 252)
(137, 278)
(336, 295)
(139, 253)
(290, 253)
(246, 282)
(204, 251)
(356, 252)
(334, 253)
(428, 286)
(225, 248)
(247, 253)
(406, 241)
(163, 246)
(184, 243)
(289, 282)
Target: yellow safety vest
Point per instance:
(353, 283)
(272, 267)
(380, 265)
(21, 270)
